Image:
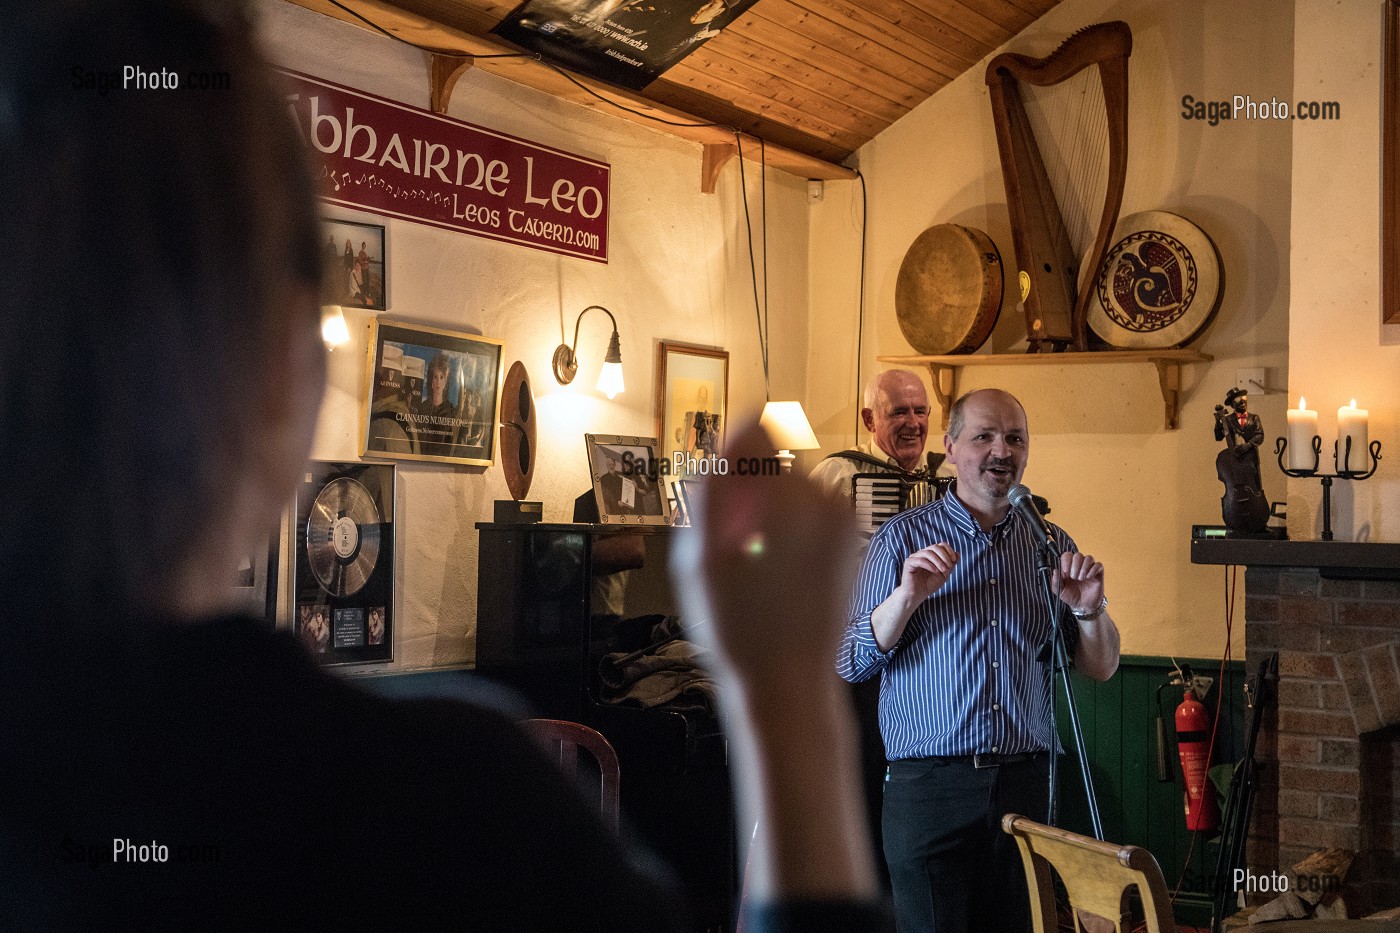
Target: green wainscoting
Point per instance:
(1119, 723)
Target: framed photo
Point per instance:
(682, 505)
(433, 395)
(628, 482)
(343, 572)
(254, 582)
(356, 264)
(692, 398)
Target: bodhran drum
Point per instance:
(1159, 286)
(948, 294)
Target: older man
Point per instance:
(895, 411)
(949, 615)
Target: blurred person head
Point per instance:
(160, 364)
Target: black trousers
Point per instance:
(953, 869)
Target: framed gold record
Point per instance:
(343, 583)
(342, 536)
(1159, 286)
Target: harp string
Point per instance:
(1070, 124)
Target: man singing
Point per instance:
(948, 612)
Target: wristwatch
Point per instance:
(1092, 614)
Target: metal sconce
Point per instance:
(566, 360)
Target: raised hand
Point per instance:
(768, 563)
(1079, 581)
(927, 569)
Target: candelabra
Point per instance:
(1344, 473)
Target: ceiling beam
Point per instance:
(446, 41)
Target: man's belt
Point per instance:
(986, 759)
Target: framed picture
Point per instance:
(254, 583)
(343, 574)
(628, 483)
(692, 397)
(356, 264)
(433, 395)
(682, 507)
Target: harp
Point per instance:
(1050, 252)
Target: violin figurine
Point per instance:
(1243, 506)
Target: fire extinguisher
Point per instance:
(1193, 745)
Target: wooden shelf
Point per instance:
(944, 369)
(1345, 560)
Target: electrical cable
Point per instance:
(456, 53)
(612, 103)
(753, 268)
(763, 212)
(860, 317)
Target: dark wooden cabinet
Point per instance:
(553, 600)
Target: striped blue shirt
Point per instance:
(964, 677)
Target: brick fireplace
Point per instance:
(1330, 749)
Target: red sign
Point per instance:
(382, 156)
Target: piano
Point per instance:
(552, 601)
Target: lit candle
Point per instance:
(1302, 428)
(1351, 423)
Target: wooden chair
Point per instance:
(563, 740)
(1095, 874)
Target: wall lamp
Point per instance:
(334, 330)
(566, 361)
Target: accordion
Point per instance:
(880, 496)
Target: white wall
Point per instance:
(1338, 347)
(1124, 487)
(678, 271)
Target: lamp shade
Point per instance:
(610, 379)
(787, 426)
(334, 330)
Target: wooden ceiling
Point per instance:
(814, 79)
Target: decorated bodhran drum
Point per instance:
(1159, 286)
(948, 294)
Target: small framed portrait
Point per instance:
(254, 580)
(628, 480)
(433, 395)
(680, 503)
(356, 264)
(692, 397)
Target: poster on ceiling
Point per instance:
(388, 158)
(624, 42)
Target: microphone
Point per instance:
(1021, 498)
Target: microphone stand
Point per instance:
(1047, 558)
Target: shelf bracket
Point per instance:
(1169, 376)
(945, 385)
(443, 72)
(714, 158)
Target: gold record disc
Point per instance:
(342, 536)
(1159, 286)
(948, 294)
